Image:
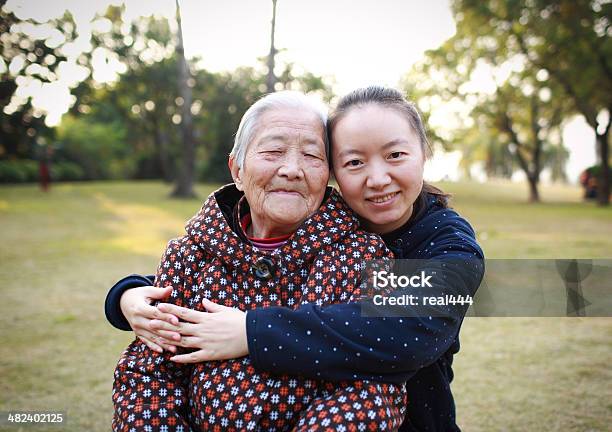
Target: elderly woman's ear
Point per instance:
(235, 171)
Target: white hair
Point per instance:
(279, 100)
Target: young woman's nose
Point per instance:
(378, 177)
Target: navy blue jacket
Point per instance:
(342, 344)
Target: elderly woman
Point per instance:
(277, 236)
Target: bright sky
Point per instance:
(359, 42)
(354, 42)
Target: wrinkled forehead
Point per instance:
(291, 125)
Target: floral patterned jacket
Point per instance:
(321, 263)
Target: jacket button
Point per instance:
(399, 243)
(263, 268)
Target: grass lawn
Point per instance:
(61, 251)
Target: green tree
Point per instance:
(515, 114)
(234, 93)
(569, 40)
(145, 97)
(144, 101)
(31, 53)
(96, 147)
(527, 129)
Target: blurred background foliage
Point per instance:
(542, 62)
(513, 74)
(130, 128)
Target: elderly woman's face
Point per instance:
(285, 171)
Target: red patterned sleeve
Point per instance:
(149, 390)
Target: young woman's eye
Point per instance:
(396, 155)
(353, 163)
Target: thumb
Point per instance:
(212, 306)
(160, 293)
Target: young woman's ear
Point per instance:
(235, 171)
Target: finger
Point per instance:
(158, 340)
(194, 357)
(157, 325)
(212, 306)
(163, 343)
(152, 312)
(190, 342)
(174, 332)
(166, 345)
(158, 335)
(159, 293)
(181, 312)
(151, 344)
(173, 337)
(184, 327)
(169, 318)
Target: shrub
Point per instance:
(18, 171)
(66, 171)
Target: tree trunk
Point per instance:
(534, 194)
(161, 141)
(603, 180)
(271, 78)
(533, 175)
(184, 185)
(161, 138)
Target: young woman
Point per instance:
(378, 150)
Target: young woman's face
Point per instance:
(378, 164)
